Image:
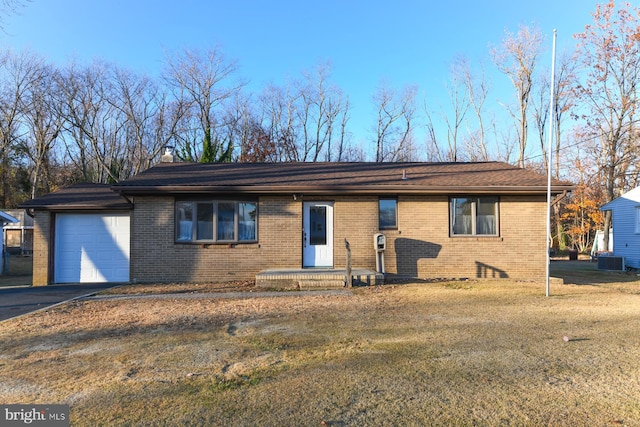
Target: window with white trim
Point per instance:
(474, 216)
(216, 221)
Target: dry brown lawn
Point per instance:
(447, 353)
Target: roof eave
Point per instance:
(79, 207)
(337, 190)
(7, 219)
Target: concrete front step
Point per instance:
(320, 284)
(315, 278)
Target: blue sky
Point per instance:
(401, 42)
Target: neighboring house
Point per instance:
(18, 236)
(5, 218)
(598, 248)
(625, 221)
(193, 222)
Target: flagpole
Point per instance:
(549, 162)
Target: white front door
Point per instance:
(317, 218)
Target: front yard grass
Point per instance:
(447, 353)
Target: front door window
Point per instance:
(318, 225)
(317, 234)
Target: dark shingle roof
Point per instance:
(303, 178)
(339, 178)
(80, 197)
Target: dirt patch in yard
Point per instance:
(444, 353)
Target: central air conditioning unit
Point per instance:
(612, 263)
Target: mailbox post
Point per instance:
(380, 245)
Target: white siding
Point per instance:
(626, 241)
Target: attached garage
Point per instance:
(91, 248)
(81, 234)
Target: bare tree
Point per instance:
(134, 97)
(344, 135)
(394, 124)
(240, 124)
(610, 51)
(307, 119)
(9, 8)
(320, 106)
(540, 113)
(517, 58)
(87, 116)
(169, 114)
(477, 89)
(353, 153)
(460, 100)
(505, 145)
(433, 149)
(465, 92)
(564, 94)
(18, 72)
(206, 80)
(279, 106)
(43, 125)
(151, 118)
(565, 101)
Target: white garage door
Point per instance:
(91, 248)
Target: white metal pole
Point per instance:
(549, 162)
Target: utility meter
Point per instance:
(379, 242)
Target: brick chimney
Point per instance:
(167, 157)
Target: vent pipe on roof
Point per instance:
(404, 175)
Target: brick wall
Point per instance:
(421, 247)
(355, 219)
(41, 247)
(155, 257)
